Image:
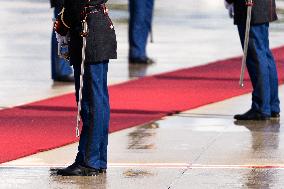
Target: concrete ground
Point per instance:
(200, 148)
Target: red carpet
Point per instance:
(48, 124)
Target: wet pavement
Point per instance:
(147, 178)
(200, 148)
(203, 153)
(116, 178)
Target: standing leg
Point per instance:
(85, 112)
(273, 77)
(99, 114)
(257, 65)
(92, 150)
(139, 27)
(138, 31)
(106, 112)
(149, 13)
(89, 156)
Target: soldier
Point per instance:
(140, 25)
(60, 68)
(260, 62)
(101, 46)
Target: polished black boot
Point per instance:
(251, 115)
(72, 170)
(78, 170)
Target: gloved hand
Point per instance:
(63, 50)
(59, 27)
(62, 39)
(230, 8)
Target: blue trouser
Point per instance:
(140, 23)
(59, 66)
(262, 69)
(95, 113)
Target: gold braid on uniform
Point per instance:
(62, 18)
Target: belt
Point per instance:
(91, 9)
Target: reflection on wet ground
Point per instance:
(137, 70)
(186, 151)
(143, 137)
(261, 178)
(264, 137)
(117, 178)
(99, 182)
(44, 178)
(232, 178)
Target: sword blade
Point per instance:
(85, 29)
(246, 42)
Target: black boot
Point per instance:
(72, 170)
(65, 78)
(146, 60)
(102, 171)
(275, 115)
(78, 170)
(251, 115)
(89, 171)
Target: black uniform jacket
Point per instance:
(263, 11)
(101, 39)
(56, 3)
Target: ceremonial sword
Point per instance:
(84, 36)
(249, 4)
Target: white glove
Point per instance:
(230, 8)
(62, 39)
(63, 51)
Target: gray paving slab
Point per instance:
(231, 178)
(45, 178)
(181, 143)
(247, 143)
(139, 178)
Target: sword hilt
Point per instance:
(249, 3)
